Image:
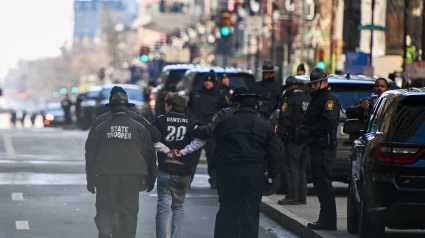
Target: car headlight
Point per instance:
(50, 117)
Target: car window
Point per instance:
(133, 94)
(54, 107)
(372, 122)
(407, 122)
(171, 78)
(348, 94)
(239, 80)
(92, 94)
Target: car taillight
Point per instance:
(398, 153)
(151, 97)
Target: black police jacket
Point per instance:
(120, 145)
(294, 105)
(246, 139)
(227, 92)
(204, 103)
(269, 92)
(206, 132)
(153, 132)
(322, 115)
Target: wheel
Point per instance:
(352, 212)
(366, 228)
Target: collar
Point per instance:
(247, 109)
(176, 112)
(120, 113)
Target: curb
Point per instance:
(290, 221)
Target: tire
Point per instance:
(352, 212)
(366, 228)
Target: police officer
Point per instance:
(206, 132)
(120, 162)
(154, 133)
(319, 131)
(268, 89)
(66, 106)
(246, 142)
(295, 157)
(203, 104)
(226, 89)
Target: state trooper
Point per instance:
(246, 147)
(295, 157)
(268, 89)
(153, 132)
(120, 162)
(319, 130)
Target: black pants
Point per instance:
(321, 172)
(117, 205)
(240, 192)
(294, 164)
(284, 185)
(209, 152)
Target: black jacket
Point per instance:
(322, 115)
(207, 131)
(154, 133)
(246, 139)
(269, 92)
(294, 105)
(204, 103)
(120, 145)
(176, 129)
(227, 92)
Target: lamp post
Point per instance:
(289, 6)
(275, 17)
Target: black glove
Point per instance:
(151, 183)
(91, 184)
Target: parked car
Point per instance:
(347, 90)
(170, 76)
(194, 78)
(387, 166)
(87, 109)
(95, 104)
(54, 115)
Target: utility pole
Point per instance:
(406, 12)
(289, 39)
(423, 32)
(371, 31)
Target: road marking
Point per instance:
(10, 151)
(17, 196)
(22, 225)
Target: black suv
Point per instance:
(170, 76)
(194, 78)
(387, 166)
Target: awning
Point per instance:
(168, 22)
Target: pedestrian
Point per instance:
(24, 115)
(153, 132)
(33, 117)
(206, 132)
(203, 104)
(13, 117)
(174, 165)
(301, 69)
(247, 146)
(66, 106)
(362, 109)
(319, 130)
(120, 163)
(268, 89)
(295, 157)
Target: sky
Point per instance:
(32, 29)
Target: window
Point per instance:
(348, 94)
(171, 78)
(133, 94)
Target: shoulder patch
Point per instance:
(330, 105)
(284, 106)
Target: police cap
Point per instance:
(240, 90)
(119, 98)
(268, 67)
(291, 80)
(317, 75)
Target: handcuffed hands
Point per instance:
(173, 154)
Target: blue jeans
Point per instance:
(172, 191)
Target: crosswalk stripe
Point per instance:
(22, 225)
(17, 196)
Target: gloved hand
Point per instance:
(151, 183)
(91, 184)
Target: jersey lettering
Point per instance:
(176, 134)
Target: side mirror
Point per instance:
(352, 126)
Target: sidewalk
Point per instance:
(296, 217)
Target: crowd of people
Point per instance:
(247, 156)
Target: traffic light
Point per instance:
(144, 54)
(321, 59)
(225, 23)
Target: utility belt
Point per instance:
(326, 141)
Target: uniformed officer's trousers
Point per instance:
(209, 153)
(117, 205)
(321, 172)
(240, 191)
(295, 161)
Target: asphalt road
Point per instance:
(43, 193)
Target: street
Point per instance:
(43, 191)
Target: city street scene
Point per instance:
(212, 118)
